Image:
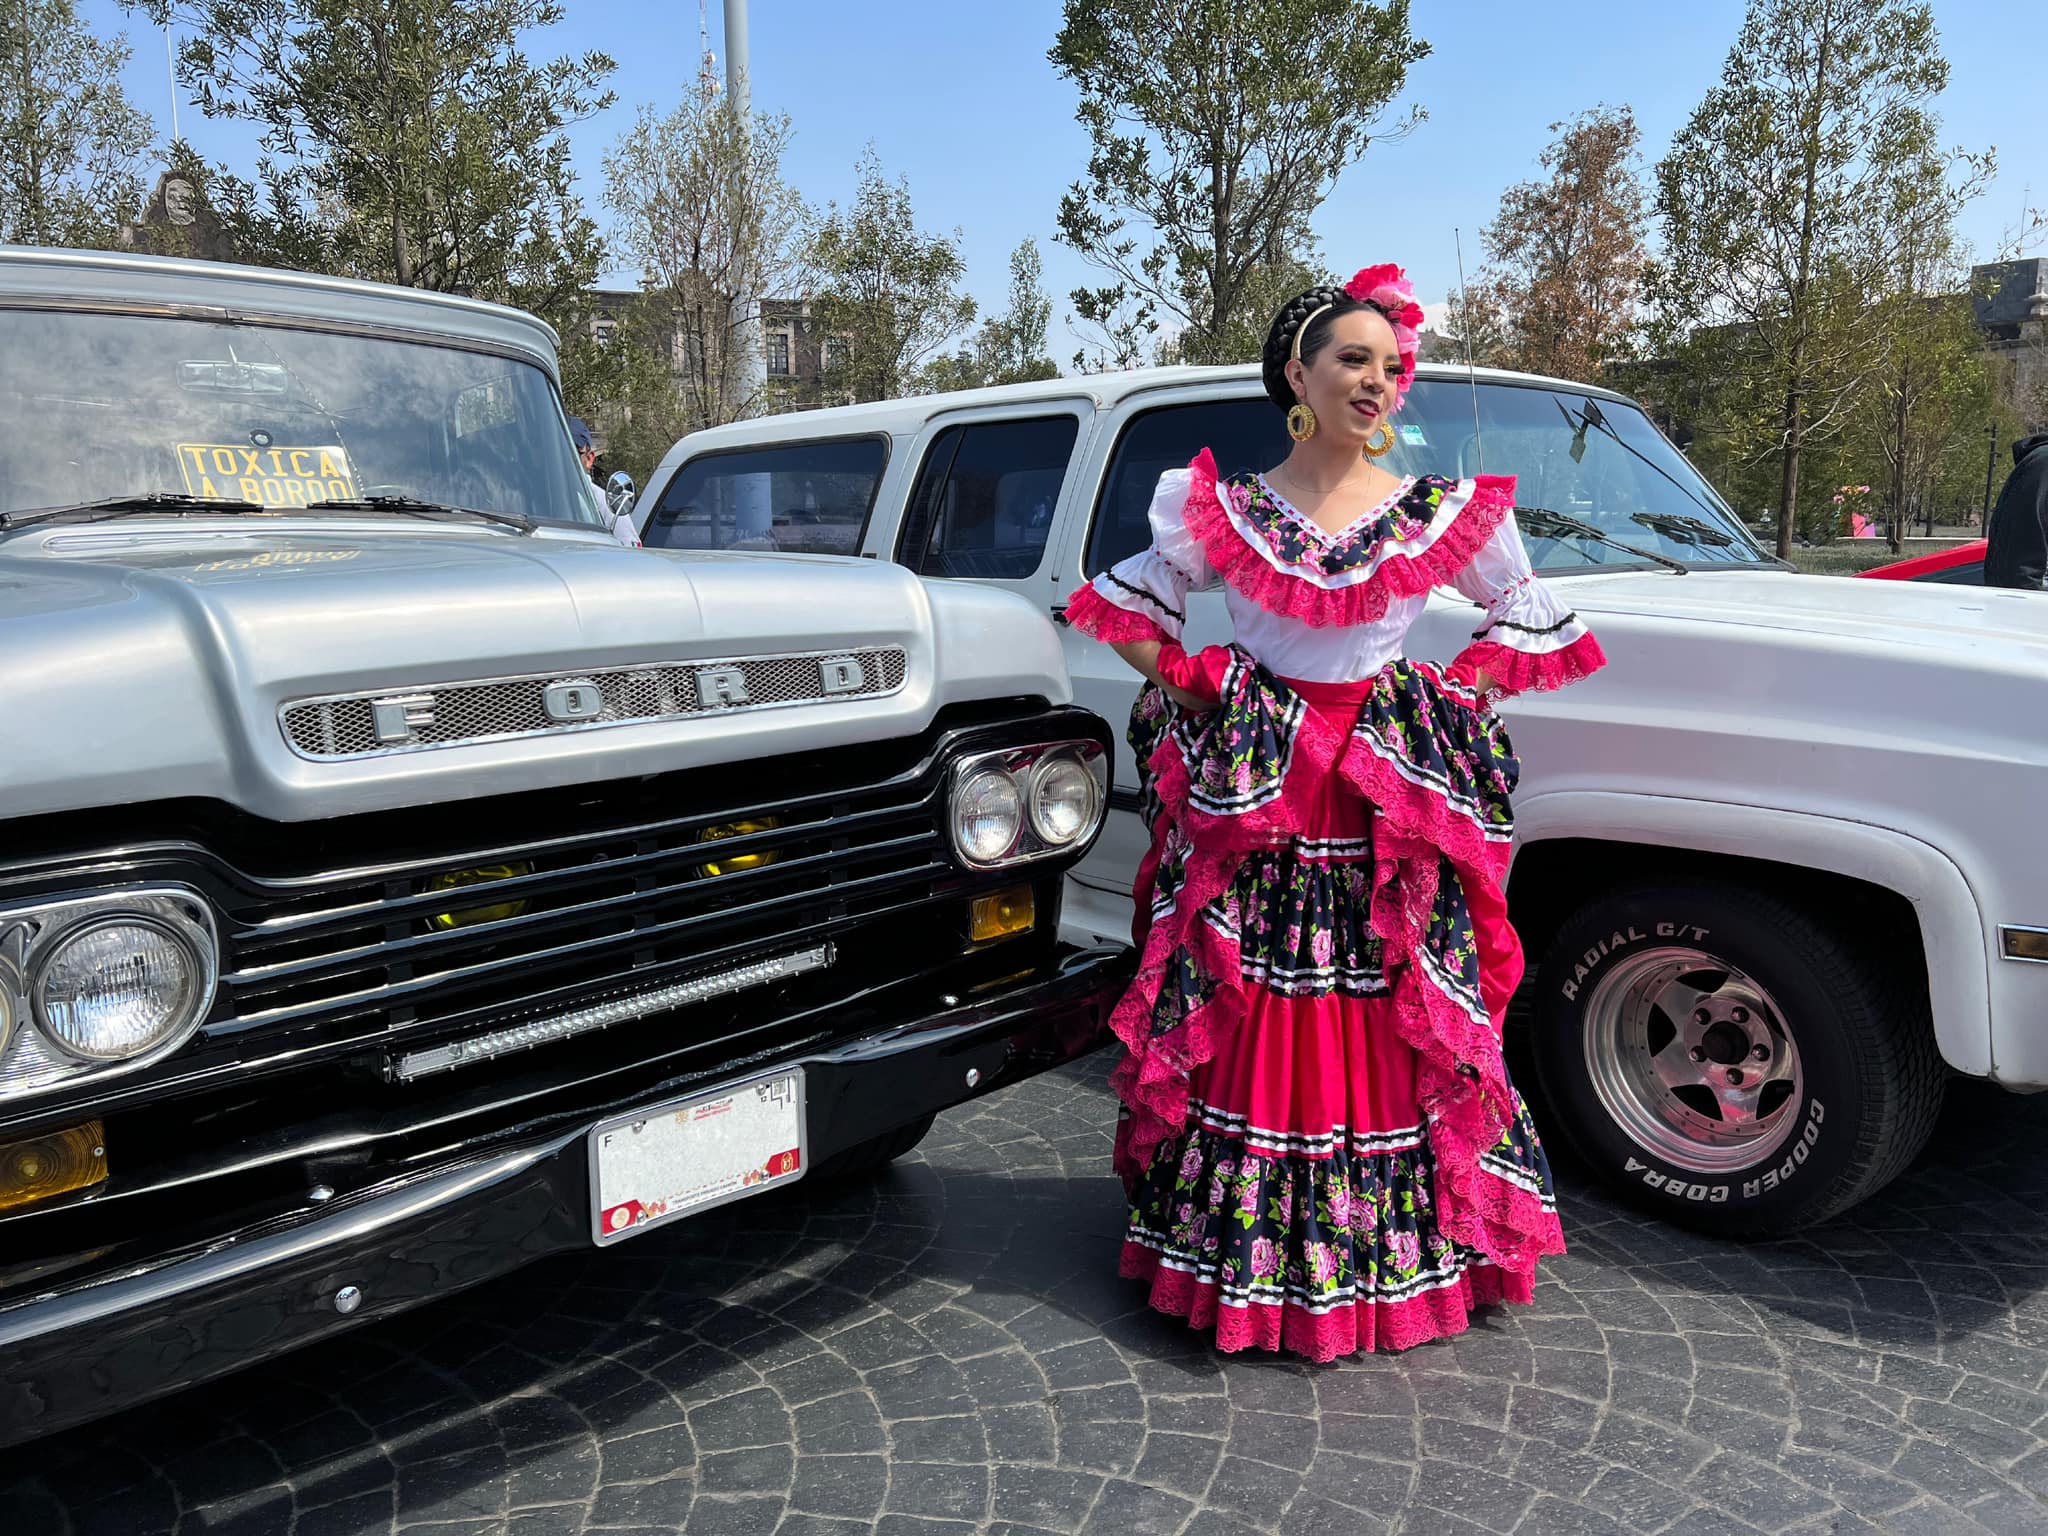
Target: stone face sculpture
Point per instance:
(179, 221)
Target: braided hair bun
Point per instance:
(1280, 339)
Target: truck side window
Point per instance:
(1245, 435)
(985, 497)
(795, 498)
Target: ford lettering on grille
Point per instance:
(376, 722)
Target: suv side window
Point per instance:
(984, 500)
(1245, 435)
(795, 498)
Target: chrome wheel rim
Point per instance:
(1693, 1060)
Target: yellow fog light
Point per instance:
(1000, 915)
(470, 916)
(55, 1164)
(738, 861)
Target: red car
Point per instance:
(1961, 565)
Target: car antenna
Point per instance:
(1471, 372)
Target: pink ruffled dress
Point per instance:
(1322, 1148)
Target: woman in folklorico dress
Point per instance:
(1322, 1148)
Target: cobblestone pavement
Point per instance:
(948, 1350)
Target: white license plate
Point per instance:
(681, 1158)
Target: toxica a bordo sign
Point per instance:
(273, 476)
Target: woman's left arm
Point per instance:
(1529, 637)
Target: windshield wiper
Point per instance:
(120, 506)
(1679, 526)
(1546, 524)
(418, 508)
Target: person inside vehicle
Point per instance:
(2016, 543)
(620, 524)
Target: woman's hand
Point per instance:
(1143, 657)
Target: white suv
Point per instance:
(1777, 865)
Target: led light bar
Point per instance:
(520, 1037)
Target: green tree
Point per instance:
(1120, 329)
(410, 141)
(1475, 326)
(1786, 199)
(71, 143)
(644, 411)
(1242, 338)
(1013, 342)
(704, 213)
(1008, 348)
(1566, 252)
(1932, 390)
(1218, 129)
(887, 293)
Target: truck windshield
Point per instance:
(1576, 457)
(101, 406)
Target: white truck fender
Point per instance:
(1951, 922)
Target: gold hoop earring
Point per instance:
(1301, 422)
(1386, 434)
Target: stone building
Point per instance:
(2011, 300)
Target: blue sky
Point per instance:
(960, 99)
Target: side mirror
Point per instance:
(619, 492)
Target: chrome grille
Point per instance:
(345, 726)
(607, 901)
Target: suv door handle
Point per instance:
(1059, 613)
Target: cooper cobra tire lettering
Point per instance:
(1847, 1083)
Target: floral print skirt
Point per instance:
(1321, 1145)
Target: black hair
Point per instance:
(1280, 339)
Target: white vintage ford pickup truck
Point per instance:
(401, 881)
(1780, 868)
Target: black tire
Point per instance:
(1844, 1103)
(867, 1158)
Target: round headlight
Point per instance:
(988, 815)
(118, 987)
(1063, 799)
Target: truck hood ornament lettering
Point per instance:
(341, 727)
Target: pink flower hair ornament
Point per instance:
(1387, 289)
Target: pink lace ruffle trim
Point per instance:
(1423, 814)
(1232, 556)
(1095, 615)
(1350, 1329)
(1152, 1080)
(1516, 671)
(1461, 1079)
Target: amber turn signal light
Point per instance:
(2025, 943)
(1000, 915)
(56, 1164)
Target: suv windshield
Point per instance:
(1575, 455)
(95, 407)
